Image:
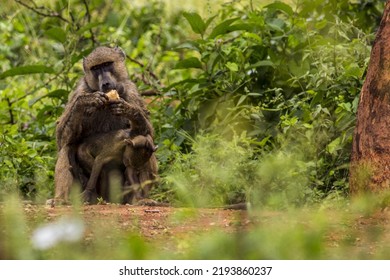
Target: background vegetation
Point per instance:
(251, 101)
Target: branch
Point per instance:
(88, 14)
(47, 13)
(40, 87)
(150, 92)
(154, 76)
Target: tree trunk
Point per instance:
(370, 159)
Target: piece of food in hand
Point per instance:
(112, 95)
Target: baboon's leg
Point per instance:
(93, 178)
(63, 177)
(132, 185)
(131, 176)
(148, 176)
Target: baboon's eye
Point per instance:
(102, 66)
(107, 64)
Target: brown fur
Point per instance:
(114, 149)
(89, 113)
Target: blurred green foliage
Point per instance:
(235, 86)
(273, 77)
(254, 102)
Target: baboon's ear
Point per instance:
(120, 51)
(84, 64)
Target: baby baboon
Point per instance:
(135, 158)
(89, 112)
(113, 149)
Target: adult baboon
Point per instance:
(89, 112)
(115, 149)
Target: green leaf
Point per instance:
(212, 61)
(298, 68)
(87, 27)
(276, 24)
(209, 21)
(232, 66)
(191, 62)
(8, 163)
(334, 146)
(222, 28)
(281, 7)
(263, 142)
(188, 45)
(353, 70)
(240, 27)
(242, 99)
(26, 70)
(253, 37)
(196, 22)
(317, 99)
(57, 34)
(58, 93)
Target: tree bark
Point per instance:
(370, 158)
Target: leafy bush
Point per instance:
(220, 171)
(255, 76)
(274, 74)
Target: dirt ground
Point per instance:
(369, 234)
(152, 222)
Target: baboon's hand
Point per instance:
(119, 107)
(122, 107)
(89, 103)
(140, 124)
(149, 143)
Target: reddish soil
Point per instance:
(354, 232)
(154, 221)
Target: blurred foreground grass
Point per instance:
(343, 229)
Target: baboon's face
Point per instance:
(104, 68)
(103, 76)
